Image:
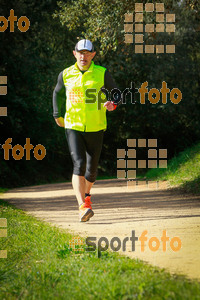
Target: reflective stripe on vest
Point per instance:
(80, 115)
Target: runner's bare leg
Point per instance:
(81, 186)
(78, 183)
(88, 186)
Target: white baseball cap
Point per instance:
(84, 45)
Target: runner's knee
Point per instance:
(79, 167)
(91, 176)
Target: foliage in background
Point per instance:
(33, 60)
(182, 171)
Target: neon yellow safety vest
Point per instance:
(80, 115)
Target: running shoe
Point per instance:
(85, 210)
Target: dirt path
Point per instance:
(118, 212)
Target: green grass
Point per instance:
(182, 171)
(40, 266)
(2, 190)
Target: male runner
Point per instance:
(84, 121)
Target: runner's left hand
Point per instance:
(109, 106)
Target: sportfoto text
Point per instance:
(18, 151)
(154, 95)
(117, 244)
(23, 22)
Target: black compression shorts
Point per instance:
(85, 149)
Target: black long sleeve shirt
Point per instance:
(59, 93)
